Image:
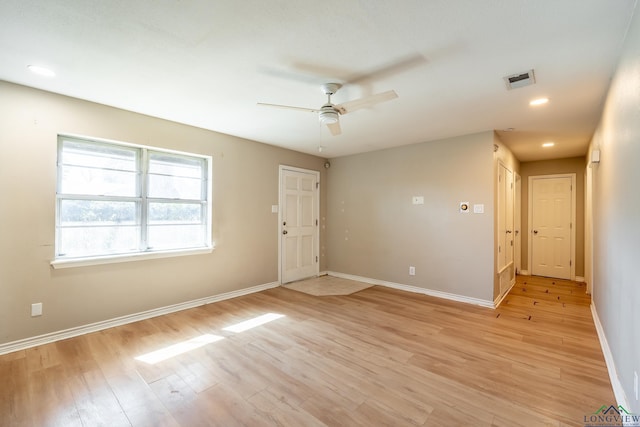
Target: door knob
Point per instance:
(508, 231)
(535, 231)
(284, 231)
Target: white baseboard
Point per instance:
(579, 279)
(500, 298)
(123, 320)
(618, 391)
(415, 289)
(523, 272)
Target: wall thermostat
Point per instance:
(464, 207)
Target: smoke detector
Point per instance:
(515, 81)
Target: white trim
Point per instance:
(500, 298)
(123, 320)
(524, 273)
(574, 190)
(517, 222)
(138, 256)
(618, 390)
(415, 289)
(506, 267)
(579, 279)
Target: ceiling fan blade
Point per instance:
(368, 101)
(288, 107)
(335, 128)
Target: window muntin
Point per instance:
(118, 199)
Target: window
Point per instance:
(118, 199)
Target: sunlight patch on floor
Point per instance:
(252, 323)
(177, 349)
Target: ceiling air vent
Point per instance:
(515, 81)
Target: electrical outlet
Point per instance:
(36, 309)
(412, 270)
(635, 383)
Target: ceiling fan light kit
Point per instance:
(328, 115)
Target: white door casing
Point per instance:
(298, 224)
(551, 224)
(517, 227)
(505, 220)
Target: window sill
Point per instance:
(112, 259)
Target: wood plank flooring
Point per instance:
(377, 357)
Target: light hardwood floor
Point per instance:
(377, 357)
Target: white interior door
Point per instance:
(505, 226)
(551, 226)
(299, 209)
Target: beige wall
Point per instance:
(245, 185)
(550, 167)
(375, 231)
(616, 217)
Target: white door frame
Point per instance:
(573, 219)
(316, 249)
(588, 228)
(517, 226)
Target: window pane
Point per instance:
(175, 236)
(172, 176)
(98, 182)
(168, 187)
(91, 241)
(96, 155)
(98, 169)
(175, 213)
(175, 165)
(93, 212)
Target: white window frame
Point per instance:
(142, 199)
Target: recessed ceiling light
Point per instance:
(539, 101)
(548, 144)
(41, 71)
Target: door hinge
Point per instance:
(316, 258)
(570, 226)
(317, 185)
(316, 222)
(570, 263)
(499, 249)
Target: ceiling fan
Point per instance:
(329, 113)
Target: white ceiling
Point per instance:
(207, 63)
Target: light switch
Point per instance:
(478, 209)
(418, 200)
(274, 208)
(36, 309)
